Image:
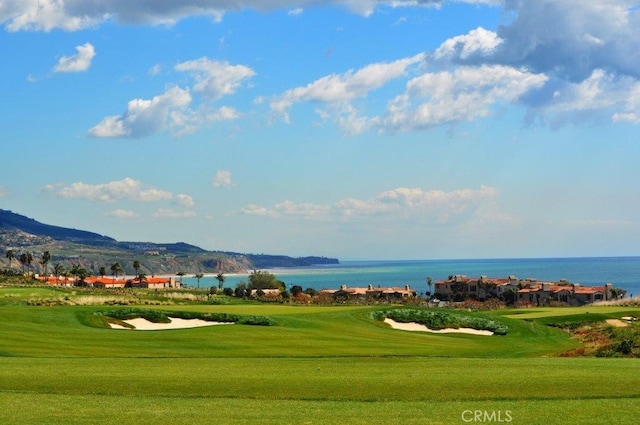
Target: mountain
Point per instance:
(10, 220)
(92, 251)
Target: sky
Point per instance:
(356, 129)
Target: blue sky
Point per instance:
(358, 129)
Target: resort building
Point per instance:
(370, 293)
(526, 291)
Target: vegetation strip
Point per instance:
(437, 320)
(160, 316)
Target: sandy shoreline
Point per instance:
(141, 324)
(417, 327)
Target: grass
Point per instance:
(315, 365)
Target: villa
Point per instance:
(370, 292)
(526, 291)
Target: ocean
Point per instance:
(623, 272)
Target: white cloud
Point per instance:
(126, 188)
(602, 93)
(477, 42)
(79, 62)
(435, 206)
(340, 90)
(73, 15)
(169, 213)
(222, 178)
(464, 94)
(3, 191)
(295, 12)
(173, 110)
(144, 117)
(214, 79)
(120, 213)
(155, 70)
(185, 200)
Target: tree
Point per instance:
(25, 259)
(221, 278)
(264, 280)
(116, 269)
(180, 273)
(46, 257)
(58, 269)
(75, 270)
(136, 265)
(102, 271)
(198, 276)
(10, 255)
(430, 284)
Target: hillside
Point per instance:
(91, 251)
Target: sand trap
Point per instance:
(141, 324)
(629, 318)
(412, 326)
(617, 323)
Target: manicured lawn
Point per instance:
(318, 365)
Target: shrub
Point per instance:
(440, 320)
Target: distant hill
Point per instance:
(92, 250)
(10, 220)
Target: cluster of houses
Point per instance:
(110, 282)
(527, 291)
(369, 293)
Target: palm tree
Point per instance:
(102, 271)
(430, 284)
(25, 259)
(180, 274)
(221, 278)
(46, 257)
(198, 276)
(136, 265)
(75, 270)
(116, 269)
(10, 255)
(58, 269)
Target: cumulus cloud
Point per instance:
(185, 200)
(120, 213)
(338, 90)
(73, 15)
(174, 110)
(222, 178)
(478, 42)
(214, 79)
(454, 96)
(145, 116)
(79, 62)
(126, 188)
(436, 206)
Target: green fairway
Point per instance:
(316, 365)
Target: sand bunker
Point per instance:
(617, 323)
(141, 324)
(412, 326)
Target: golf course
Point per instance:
(62, 363)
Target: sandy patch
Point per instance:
(141, 324)
(412, 326)
(617, 323)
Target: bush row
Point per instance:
(160, 316)
(440, 320)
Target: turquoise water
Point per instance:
(623, 272)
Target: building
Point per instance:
(370, 293)
(525, 291)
